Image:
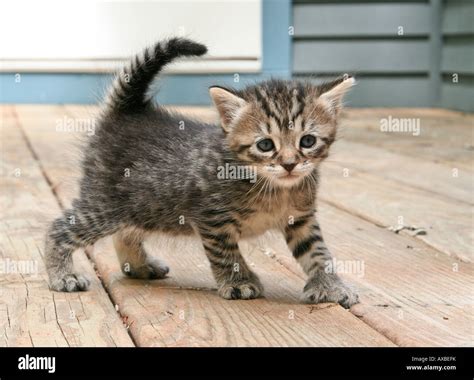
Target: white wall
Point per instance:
(96, 36)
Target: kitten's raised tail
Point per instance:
(129, 91)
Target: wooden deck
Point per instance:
(415, 290)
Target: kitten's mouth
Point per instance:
(289, 179)
(289, 176)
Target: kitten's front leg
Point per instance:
(234, 278)
(305, 241)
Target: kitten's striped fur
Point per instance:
(172, 184)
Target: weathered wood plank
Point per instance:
(35, 316)
(154, 308)
(409, 293)
(439, 178)
(185, 310)
(396, 299)
(387, 203)
(445, 136)
(382, 201)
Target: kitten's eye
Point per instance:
(265, 145)
(307, 141)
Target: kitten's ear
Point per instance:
(333, 92)
(228, 105)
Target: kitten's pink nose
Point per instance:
(288, 167)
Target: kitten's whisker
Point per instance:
(264, 186)
(259, 180)
(261, 183)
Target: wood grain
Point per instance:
(448, 224)
(154, 308)
(185, 310)
(32, 315)
(411, 293)
(435, 177)
(445, 136)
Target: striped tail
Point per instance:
(129, 92)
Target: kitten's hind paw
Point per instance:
(241, 291)
(328, 287)
(153, 269)
(70, 283)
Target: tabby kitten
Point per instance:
(147, 169)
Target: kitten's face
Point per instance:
(284, 129)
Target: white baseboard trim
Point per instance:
(190, 66)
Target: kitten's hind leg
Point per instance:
(76, 228)
(134, 260)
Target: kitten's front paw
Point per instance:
(70, 283)
(328, 287)
(245, 290)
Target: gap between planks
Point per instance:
(339, 327)
(380, 320)
(62, 207)
(31, 314)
